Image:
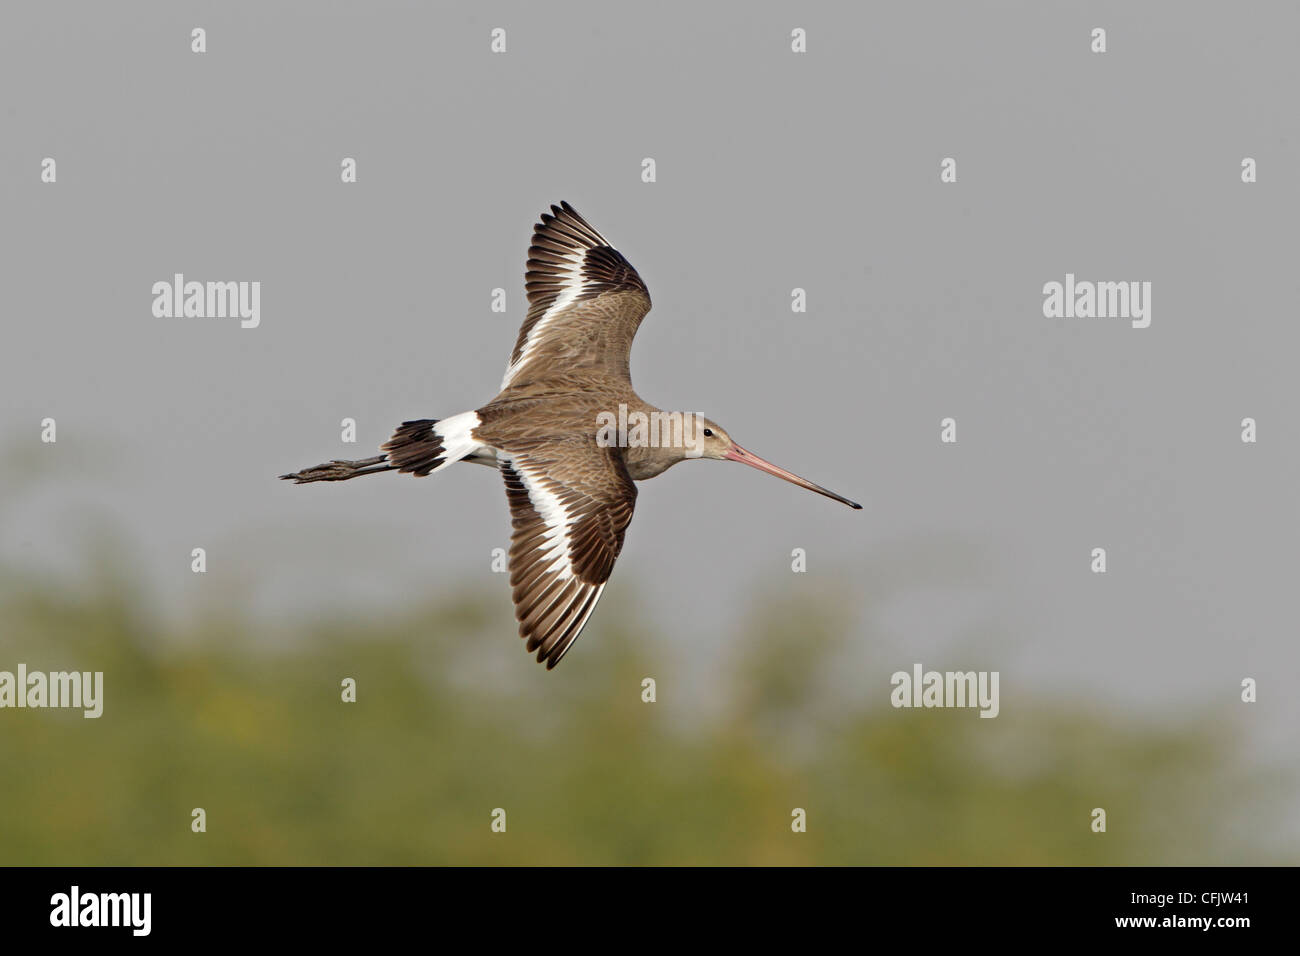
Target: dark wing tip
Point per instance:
(564, 212)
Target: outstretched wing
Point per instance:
(570, 502)
(585, 302)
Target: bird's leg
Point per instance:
(341, 470)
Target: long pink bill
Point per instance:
(749, 458)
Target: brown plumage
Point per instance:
(569, 473)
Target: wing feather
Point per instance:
(570, 504)
(585, 301)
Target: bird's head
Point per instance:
(712, 441)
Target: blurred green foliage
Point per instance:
(248, 724)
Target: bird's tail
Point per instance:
(418, 448)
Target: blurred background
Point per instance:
(244, 718)
(775, 171)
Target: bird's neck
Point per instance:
(643, 463)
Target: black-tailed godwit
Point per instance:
(567, 431)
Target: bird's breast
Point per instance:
(643, 463)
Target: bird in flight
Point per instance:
(567, 431)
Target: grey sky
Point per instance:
(775, 171)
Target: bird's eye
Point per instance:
(708, 433)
